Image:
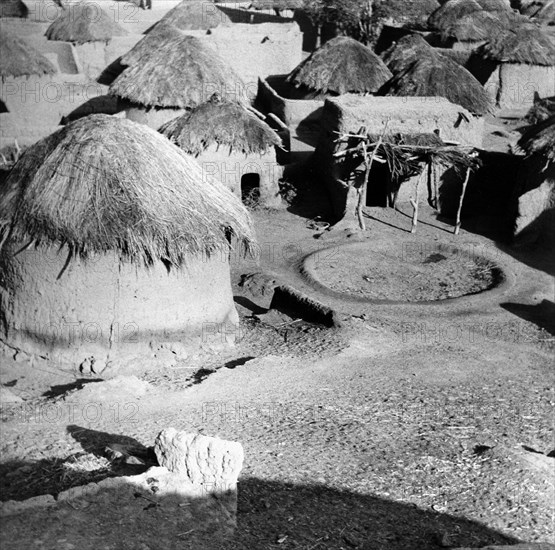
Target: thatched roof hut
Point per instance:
(430, 74)
(82, 23)
(405, 51)
(13, 8)
(223, 123)
(20, 59)
(194, 15)
(540, 139)
(103, 183)
(477, 26)
(453, 10)
(520, 44)
(183, 73)
(105, 224)
(341, 66)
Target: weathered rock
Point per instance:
(212, 463)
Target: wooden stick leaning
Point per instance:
(461, 200)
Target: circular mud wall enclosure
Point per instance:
(412, 271)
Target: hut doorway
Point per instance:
(378, 186)
(250, 187)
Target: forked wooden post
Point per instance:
(414, 203)
(461, 200)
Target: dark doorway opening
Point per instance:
(378, 185)
(250, 188)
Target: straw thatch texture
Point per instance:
(523, 43)
(148, 46)
(103, 183)
(20, 59)
(196, 15)
(453, 10)
(540, 139)
(13, 8)
(477, 26)
(433, 75)
(341, 66)
(404, 12)
(82, 23)
(277, 4)
(183, 73)
(405, 51)
(223, 123)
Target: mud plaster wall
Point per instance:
(107, 309)
(513, 85)
(256, 51)
(230, 167)
(347, 114)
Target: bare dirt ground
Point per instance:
(406, 428)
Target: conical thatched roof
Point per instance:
(522, 43)
(223, 123)
(82, 23)
(182, 73)
(405, 51)
(478, 26)
(196, 15)
(431, 74)
(148, 46)
(103, 183)
(540, 139)
(453, 10)
(13, 8)
(20, 59)
(341, 66)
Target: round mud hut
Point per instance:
(342, 65)
(193, 15)
(516, 64)
(89, 28)
(233, 145)
(422, 72)
(535, 196)
(181, 74)
(114, 244)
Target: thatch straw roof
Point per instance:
(478, 26)
(453, 10)
(341, 66)
(13, 8)
(522, 43)
(196, 15)
(103, 183)
(20, 59)
(405, 51)
(540, 139)
(431, 75)
(82, 23)
(404, 12)
(148, 46)
(277, 4)
(223, 123)
(182, 73)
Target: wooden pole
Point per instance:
(461, 199)
(414, 203)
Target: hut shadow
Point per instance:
(61, 389)
(104, 104)
(111, 72)
(255, 309)
(542, 315)
(95, 442)
(301, 515)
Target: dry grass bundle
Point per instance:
(82, 23)
(405, 51)
(453, 10)
(522, 43)
(221, 122)
(20, 59)
(13, 8)
(435, 75)
(103, 183)
(196, 15)
(182, 72)
(341, 66)
(540, 139)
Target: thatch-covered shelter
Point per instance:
(82, 23)
(13, 8)
(515, 64)
(420, 71)
(542, 11)
(181, 74)
(114, 243)
(233, 145)
(453, 10)
(535, 197)
(402, 13)
(342, 65)
(19, 59)
(193, 15)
